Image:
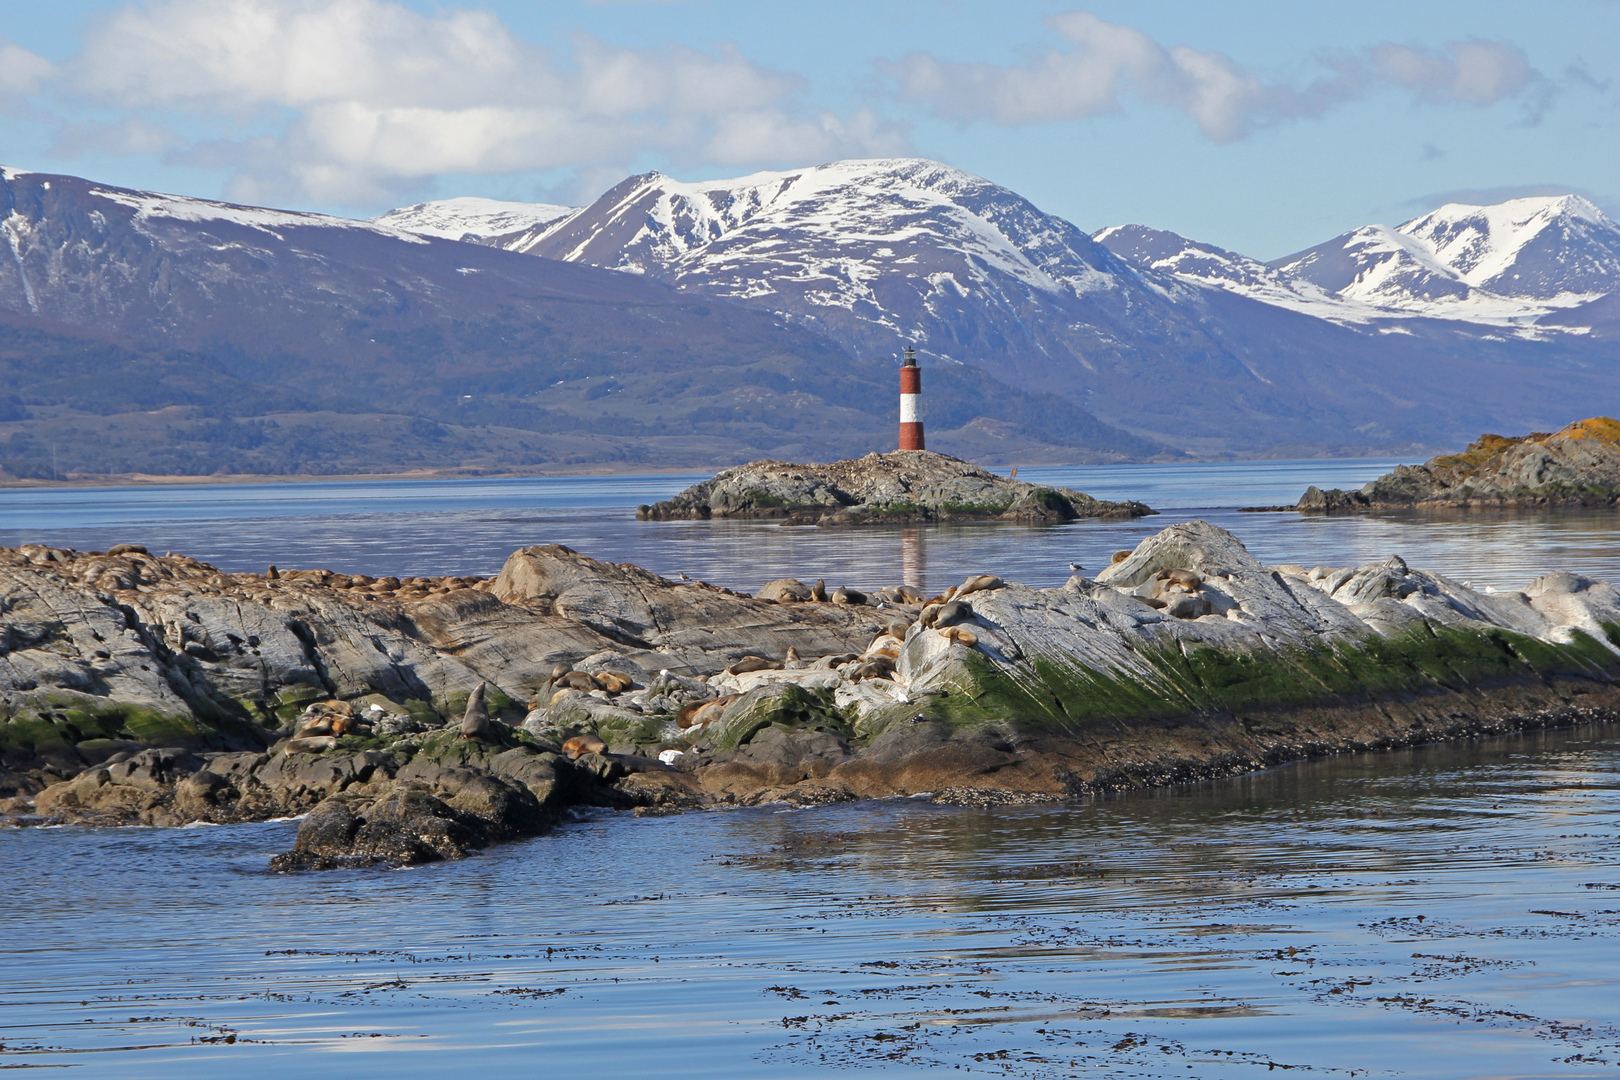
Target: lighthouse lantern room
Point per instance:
(911, 429)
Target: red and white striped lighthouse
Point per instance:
(911, 432)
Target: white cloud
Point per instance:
(21, 72)
(365, 98)
(1104, 62)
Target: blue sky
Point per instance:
(1264, 127)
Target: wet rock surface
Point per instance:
(1579, 465)
(901, 486)
(160, 691)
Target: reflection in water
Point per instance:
(911, 557)
(436, 527)
(1447, 911)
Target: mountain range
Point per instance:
(692, 325)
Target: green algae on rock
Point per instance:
(163, 700)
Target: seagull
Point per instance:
(682, 576)
(1075, 566)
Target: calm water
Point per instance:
(1442, 912)
(470, 526)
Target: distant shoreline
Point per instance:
(146, 480)
(122, 480)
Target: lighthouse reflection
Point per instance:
(911, 558)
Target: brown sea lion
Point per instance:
(961, 635)
(583, 744)
(845, 595)
(575, 680)
(558, 671)
(612, 681)
(1119, 557)
(753, 663)
(1187, 579)
(953, 612)
(897, 629)
(818, 591)
(977, 583)
(311, 744)
(475, 722)
(793, 661)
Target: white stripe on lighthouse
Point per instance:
(908, 408)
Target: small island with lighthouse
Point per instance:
(908, 485)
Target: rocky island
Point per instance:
(900, 486)
(1578, 465)
(419, 719)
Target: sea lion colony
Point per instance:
(395, 714)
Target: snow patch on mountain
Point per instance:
(472, 218)
(148, 206)
(1504, 267)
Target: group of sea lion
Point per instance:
(1177, 592)
(323, 723)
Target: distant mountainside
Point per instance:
(695, 325)
(1506, 266)
(472, 218)
(144, 332)
(1184, 342)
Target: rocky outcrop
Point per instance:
(900, 486)
(1578, 465)
(160, 691)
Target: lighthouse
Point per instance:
(911, 432)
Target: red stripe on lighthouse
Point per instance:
(911, 429)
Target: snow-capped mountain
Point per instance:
(472, 218)
(878, 254)
(115, 303)
(1503, 266)
(1510, 262)
(1184, 342)
(1164, 252)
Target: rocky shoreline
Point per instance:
(895, 488)
(1576, 466)
(158, 690)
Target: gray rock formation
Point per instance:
(900, 486)
(1579, 465)
(158, 691)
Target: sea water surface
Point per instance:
(1445, 911)
(407, 527)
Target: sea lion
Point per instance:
(612, 681)
(961, 635)
(272, 574)
(475, 722)
(1119, 557)
(977, 583)
(792, 661)
(558, 671)
(835, 661)
(844, 595)
(1187, 579)
(876, 667)
(818, 591)
(583, 744)
(128, 549)
(576, 680)
(897, 629)
(953, 612)
(342, 725)
(311, 745)
(784, 591)
(317, 726)
(753, 663)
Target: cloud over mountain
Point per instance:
(347, 101)
(1104, 62)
